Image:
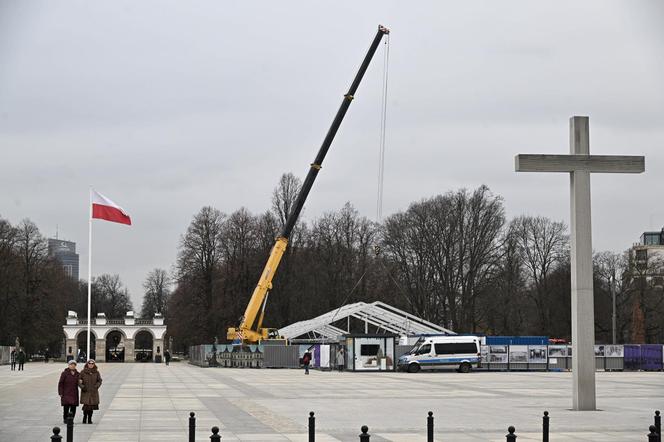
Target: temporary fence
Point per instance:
(226, 355)
(654, 431)
(559, 357)
(493, 357)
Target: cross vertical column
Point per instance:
(580, 164)
(583, 325)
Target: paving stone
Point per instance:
(143, 402)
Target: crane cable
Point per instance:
(381, 162)
(383, 124)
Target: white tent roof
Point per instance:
(383, 316)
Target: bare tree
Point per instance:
(32, 249)
(34, 290)
(9, 270)
(610, 271)
(110, 296)
(197, 269)
(157, 290)
(284, 196)
(543, 244)
(446, 250)
(505, 310)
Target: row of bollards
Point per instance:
(654, 435)
(70, 431)
(511, 436)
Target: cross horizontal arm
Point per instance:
(572, 163)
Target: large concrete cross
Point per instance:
(580, 164)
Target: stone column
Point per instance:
(100, 350)
(129, 351)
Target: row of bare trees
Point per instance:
(453, 259)
(33, 288)
(36, 293)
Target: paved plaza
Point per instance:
(142, 402)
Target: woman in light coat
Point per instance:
(90, 381)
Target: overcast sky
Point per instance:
(167, 106)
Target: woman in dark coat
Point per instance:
(90, 381)
(68, 390)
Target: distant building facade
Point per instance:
(647, 256)
(65, 253)
(128, 339)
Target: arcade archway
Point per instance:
(143, 342)
(82, 345)
(115, 346)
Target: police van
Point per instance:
(439, 352)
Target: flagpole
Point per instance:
(89, 269)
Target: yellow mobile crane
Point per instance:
(251, 323)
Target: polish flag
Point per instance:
(104, 208)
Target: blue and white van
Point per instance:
(438, 352)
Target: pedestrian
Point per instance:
(70, 356)
(306, 359)
(12, 359)
(21, 359)
(340, 359)
(68, 390)
(46, 355)
(90, 381)
(167, 356)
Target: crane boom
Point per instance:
(250, 329)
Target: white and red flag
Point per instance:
(100, 208)
(104, 208)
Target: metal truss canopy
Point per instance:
(380, 315)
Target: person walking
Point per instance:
(68, 390)
(306, 359)
(167, 356)
(12, 359)
(90, 381)
(21, 359)
(340, 359)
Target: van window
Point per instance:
(455, 348)
(424, 350)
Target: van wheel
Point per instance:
(464, 368)
(413, 368)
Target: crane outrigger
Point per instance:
(251, 328)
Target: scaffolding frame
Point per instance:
(384, 317)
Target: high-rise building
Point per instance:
(647, 257)
(65, 253)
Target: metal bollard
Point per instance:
(652, 436)
(545, 427)
(364, 437)
(192, 427)
(658, 425)
(510, 437)
(430, 427)
(312, 427)
(215, 434)
(70, 428)
(56, 435)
